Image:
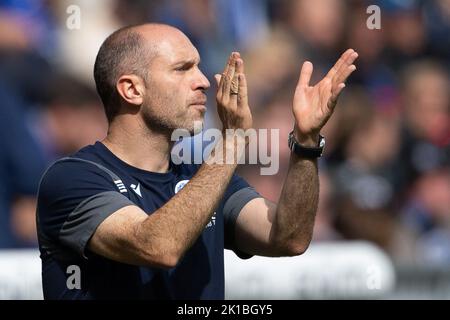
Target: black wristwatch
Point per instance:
(306, 152)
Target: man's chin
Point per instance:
(196, 126)
(201, 108)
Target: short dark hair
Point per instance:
(123, 52)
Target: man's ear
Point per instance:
(131, 89)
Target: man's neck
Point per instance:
(137, 145)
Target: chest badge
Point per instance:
(180, 185)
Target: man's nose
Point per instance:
(201, 82)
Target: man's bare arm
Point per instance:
(267, 229)
(161, 239)
(286, 229)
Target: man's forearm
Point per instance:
(173, 228)
(297, 206)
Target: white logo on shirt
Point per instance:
(180, 185)
(137, 189)
(120, 186)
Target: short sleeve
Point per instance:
(237, 195)
(74, 198)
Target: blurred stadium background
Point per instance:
(385, 177)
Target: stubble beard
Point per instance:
(159, 116)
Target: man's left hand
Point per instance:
(313, 106)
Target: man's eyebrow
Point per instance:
(188, 62)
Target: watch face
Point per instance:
(322, 142)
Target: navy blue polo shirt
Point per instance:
(79, 192)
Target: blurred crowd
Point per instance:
(385, 175)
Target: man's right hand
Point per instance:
(232, 97)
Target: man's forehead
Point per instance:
(170, 44)
(178, 52)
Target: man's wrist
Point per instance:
(310, 140)
(307, 147)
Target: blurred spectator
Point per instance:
(426, 128)
(425, 158)
(28, 24)
(427, 214)
(373, 73)
(26, 73)
(246, 20)
(405, 31)
(320, 24)
(72, 118)
(270, 66)
(134, 12)
(437, 23)
(354, 108)
(366, 180)
(275, 115)
(78, 47)
(318, 27)
(21, 166)
(24, 40)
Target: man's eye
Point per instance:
(183, 68)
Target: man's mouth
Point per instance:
(199, 102)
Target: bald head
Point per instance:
(129, 50)
(158, 32)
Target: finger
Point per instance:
(227, 65)
(240, 65)
(243, 93)
(225, 71)
(346, 69)
(235, 82)
(219, 80)
(234, 88)
(239, 69)
(339, 63)
(305, 74)
(336, 93)
(228, 77)
(231, 61)
(344, 74)
(218, 77)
